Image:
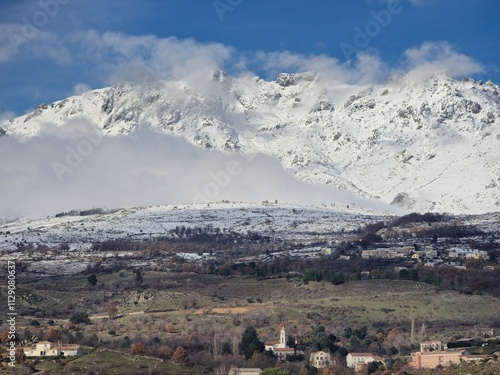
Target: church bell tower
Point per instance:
(282, 336)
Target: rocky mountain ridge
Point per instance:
(426, 144)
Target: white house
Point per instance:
(354, 359)
(49, 349)
(320, 359)
(279, 348)
(71, 351)
(457, 252)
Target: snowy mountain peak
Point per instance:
(287, 79)
(219, 75)
(427, 144)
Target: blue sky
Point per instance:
(73, 45)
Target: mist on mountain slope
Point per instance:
(77, 169)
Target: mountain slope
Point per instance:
(425, 144)
(288, 222)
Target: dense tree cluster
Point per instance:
(328, 275)
(92, 211)
(415, 217)
(80, 317)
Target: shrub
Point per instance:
(80, 317)
(139, 348)
(92, 279)
(180, 355)
(165, 352)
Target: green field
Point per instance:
(103, 362)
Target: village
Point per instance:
(344, 302)
(431, 355)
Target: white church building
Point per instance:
(279, 348)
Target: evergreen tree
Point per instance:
(347, 333)
(250, 343)
(138, 276)
(92, 279)
(80, 317)
(290, 341)
(320, 340)
(373, 367)
(226, 348)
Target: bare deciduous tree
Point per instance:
(53, 335)
(112, 309)
(180, 355)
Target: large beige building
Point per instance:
(438, 357)
(391, 252)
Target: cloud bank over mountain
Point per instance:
(78, 169)
(117, 57)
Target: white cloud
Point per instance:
(7, 115)
(81, 88)
(122, 57)
(424, 60)
(116, 57)
(5, 53)
(367, 67)
(10, 38)
(113, 54)
(63, 170)
(21, 40)
(439, 57)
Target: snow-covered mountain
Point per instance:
(426, 144)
